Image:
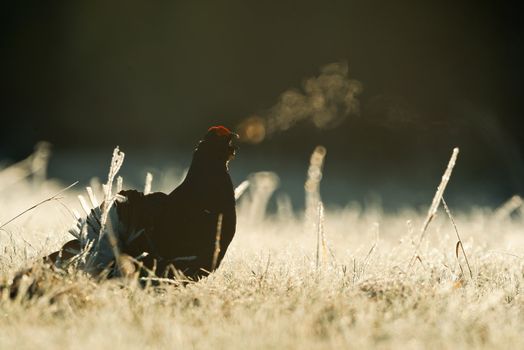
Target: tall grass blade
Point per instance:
(217, 242)
(53, 197)
(459, 243)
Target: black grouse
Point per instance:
(189, 228)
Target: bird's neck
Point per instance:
(204, 171)
(206, 163)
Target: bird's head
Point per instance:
(219, 144)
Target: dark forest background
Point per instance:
(151, 76)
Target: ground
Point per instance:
(276, 289)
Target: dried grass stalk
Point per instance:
(240, 189)
(149, 181)
(440, 192)
(262, 185)
(217, 242)
(312, 185)
(436, 201)
(35, 165)
(505, 210)
(53, 197)
(459, 243)
(119, 184)
(116, 163)
(321, 239)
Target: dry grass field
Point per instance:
(340, 280)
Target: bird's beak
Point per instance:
(233, 147)
(234, 140)
(236, 137)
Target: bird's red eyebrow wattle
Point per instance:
(220, 130)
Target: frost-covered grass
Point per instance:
(273, 292)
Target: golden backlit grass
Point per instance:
(273, 292)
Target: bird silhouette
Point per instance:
(189, 229)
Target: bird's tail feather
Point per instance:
(95, 249)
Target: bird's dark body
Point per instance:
(180, 228)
